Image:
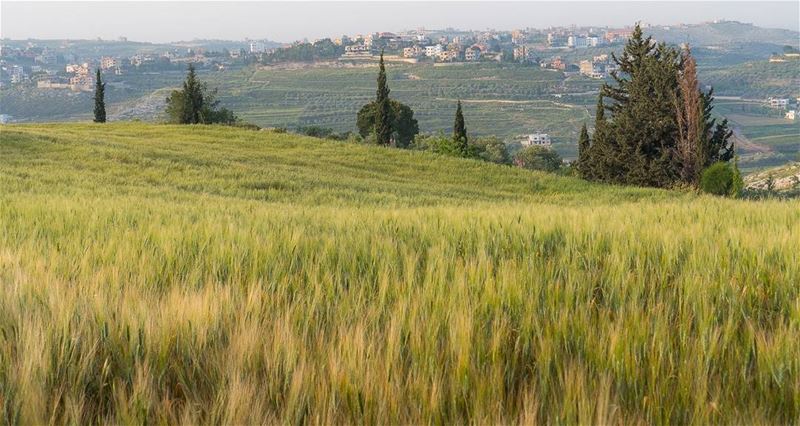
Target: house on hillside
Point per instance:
(778, 102)
(535, 139)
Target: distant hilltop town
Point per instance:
(60, 67)
(573, 51)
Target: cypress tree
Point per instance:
(460, 131)
(99, 99)
(383, 121)
(583, 152)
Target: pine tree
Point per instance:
(583, 153)
(192, 98)
(99, 99)
(460, 131)
(643, 131)
(383, 121)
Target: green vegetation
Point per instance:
(99, 99)
(305, 52)
(660, 131)
(760, 79)
(208, 274)
(460, 132)
(196, 104)
(720, 179)
(386, 121)
(505, 100)
(764, 138)
(538, 158)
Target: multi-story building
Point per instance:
(108, 62)
(257, 47)
(778, 102)
(472, 53)
(577, 42)
(618, 35)
(556, 40)
(17, 74)
(593, 69)
(448, 56)
(522, 54)
(518, 37)
(535, 139)
(433, 50)
(413, 52)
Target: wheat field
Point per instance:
(204, 275)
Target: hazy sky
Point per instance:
(285, 21)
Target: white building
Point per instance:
(577, 42)
(778, 102)
(433, 51)
(17, 74)
(257, 47)
(791, 115)
(536, 139)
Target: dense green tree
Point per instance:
(490, 149)
(603, 160)
(582, 163)
(721, 179)
(99, 99)
(404, 125)
(324, 49)
(660, 131)
(192, 98)
(538, 158)
(196, 104)
(383, 108)
(460, 131)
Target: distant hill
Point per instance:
(217, 45)
(723, 33)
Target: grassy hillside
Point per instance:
(212, 275)
(499, 99)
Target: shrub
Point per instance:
(721, 179)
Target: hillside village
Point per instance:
(66, 66)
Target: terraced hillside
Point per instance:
(198, 274)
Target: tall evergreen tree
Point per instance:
(460, 131)
(718, 143)
(642, 132)
(383, 121)
(583, 152)
(192, 98)
(99, 99)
